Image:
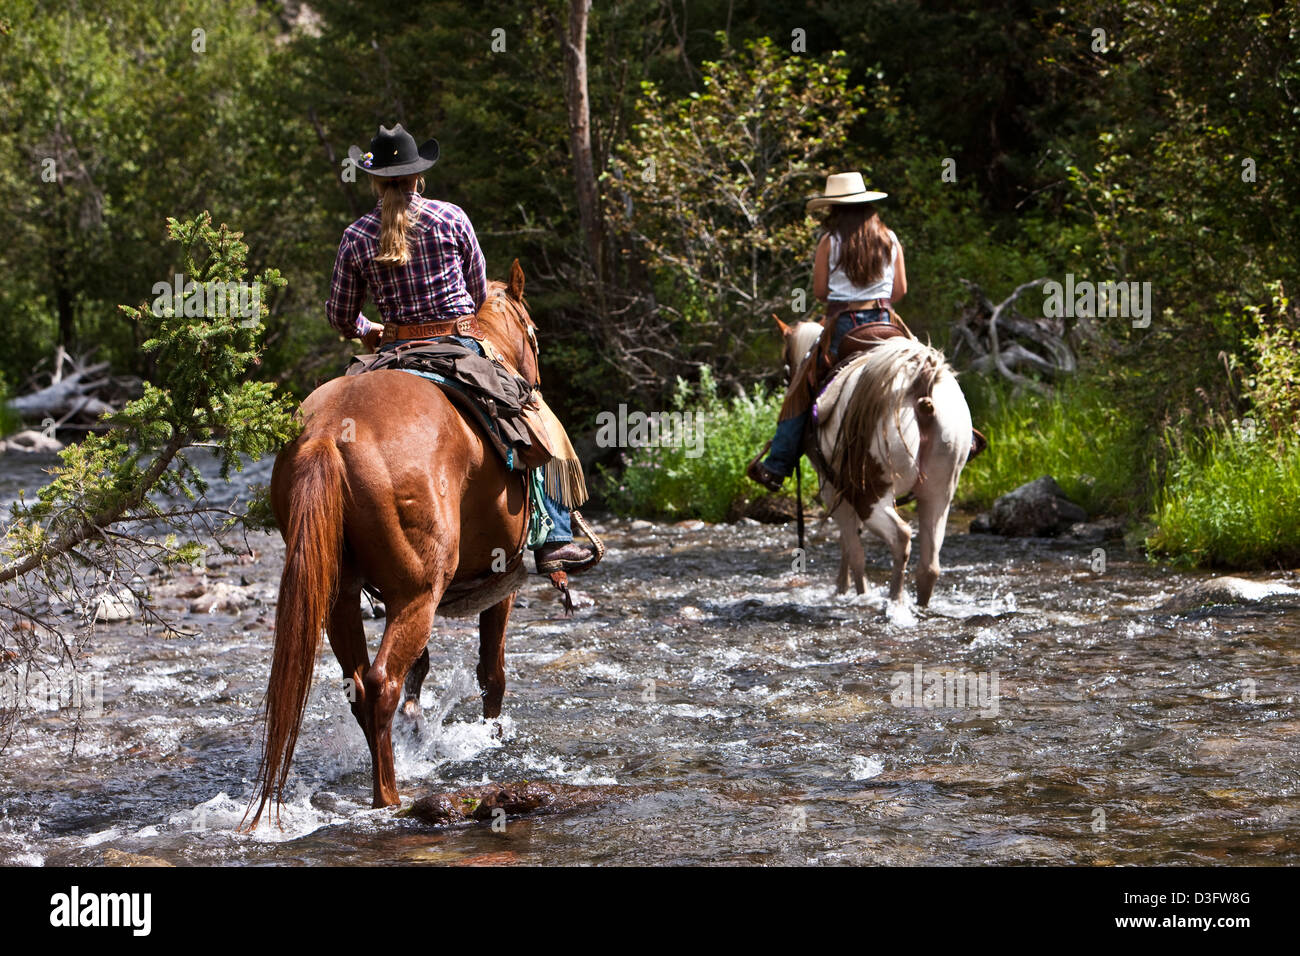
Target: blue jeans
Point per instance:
(783, 456)
(559, 515)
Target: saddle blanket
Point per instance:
(496, 399)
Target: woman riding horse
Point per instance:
(420, 261)
(859, 272)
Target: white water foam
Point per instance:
(864, 768)
(224, 814)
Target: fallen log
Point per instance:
(73, 393)
(69, 396)
(997, 337)
(31, 442)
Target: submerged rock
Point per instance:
(528, 798)
(221, 598)
(1226, 590)
(765, 509)
(114, 857)
(1037, 509)
(1107, 529)
(118, 605)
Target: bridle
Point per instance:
(516, 309)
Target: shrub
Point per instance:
(665, 482)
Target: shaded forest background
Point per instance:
(659, 217)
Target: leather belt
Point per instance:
(466, 325)
(836, 307)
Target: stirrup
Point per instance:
(576, 567)
(597, 546)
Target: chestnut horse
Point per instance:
(389, 488)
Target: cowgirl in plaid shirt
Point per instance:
(420, 262)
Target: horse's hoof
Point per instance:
(497, 732)
(411, 708)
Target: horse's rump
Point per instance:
(414, 463)
(887, 386)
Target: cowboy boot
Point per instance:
(761, 474)
(569, 556)
(560, 556)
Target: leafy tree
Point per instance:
(711, 190)
(112, 111)
(103, 515)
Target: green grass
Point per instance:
(666, 483)
(1097, 453)
(1232, 502)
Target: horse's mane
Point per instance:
(499, 318)
(799, 342)
(493, 316)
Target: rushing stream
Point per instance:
(745, 712)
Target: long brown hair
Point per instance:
(392, 193)
(865, 246)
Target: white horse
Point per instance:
(893, 421)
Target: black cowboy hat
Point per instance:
(393, 153)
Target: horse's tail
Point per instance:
(313, 543)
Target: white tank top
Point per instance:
(841, 287)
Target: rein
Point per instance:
(798, 482)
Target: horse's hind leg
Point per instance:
(932, 513)
(347, 637)
(492, 655)
(411, 688)
(406, 635)
(885, 524)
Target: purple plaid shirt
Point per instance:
(444, 278)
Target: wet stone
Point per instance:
(528, 798)
(1036, 509)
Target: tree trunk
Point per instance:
(63, 300)
(574, 41)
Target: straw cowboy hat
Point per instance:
(843, 188)
(393, 153)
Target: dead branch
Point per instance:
(998, 337)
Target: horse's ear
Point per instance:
(785, 329)
(515, 287)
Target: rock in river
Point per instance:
(529, 798)
(115, 606)
(221, 598)
(1037, 509)
(1226, 590)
